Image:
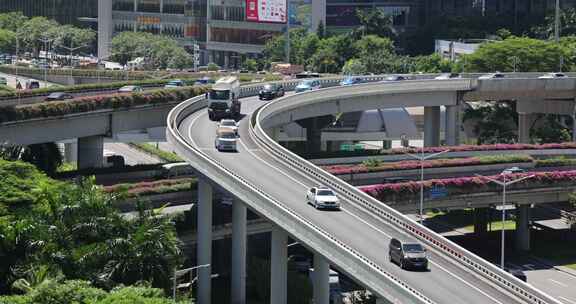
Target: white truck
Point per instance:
(223, 99)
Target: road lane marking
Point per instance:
(431, 262)
(357, 217)
(567, 300)
(528, 266)
(559, 283)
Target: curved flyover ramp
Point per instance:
(272, 182)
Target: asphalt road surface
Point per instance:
(445, 283)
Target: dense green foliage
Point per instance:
(99, 102)
(82, 292)
(158, 51)
(166, 156)
(31, 31)
(75, 232)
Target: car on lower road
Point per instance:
(350, 80)
(394, 78)
(408, 254)
(3, 81)
(271, 91)
(176, 83)
(130, 89)
(552, 76)
(513, 170)
(58, 96)
(496, 75)
(448, 76)
(322, 197)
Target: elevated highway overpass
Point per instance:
(272, 182)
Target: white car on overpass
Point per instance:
(322, 197)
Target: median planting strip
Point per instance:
(154, 187)
(378, 166)
(464, 185)
(164, 155)
(100, 102)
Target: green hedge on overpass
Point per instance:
(94, 103)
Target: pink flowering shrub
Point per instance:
(436, 163)
(464, 185)
(496, 147)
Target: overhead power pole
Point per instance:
(557, 22)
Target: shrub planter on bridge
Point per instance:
(437, 163)
(465, 185)
(94, 103)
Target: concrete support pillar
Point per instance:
(431, 126)
(204, 244)
(105, 25)
(481, 221)
(313, 139)
(321, 280)
(90, 152)
(71, 152)
(386, 144)
(525, 121)
(279, 267)
(314, 128)
(238, 253)
(453, 122)
(523, 227)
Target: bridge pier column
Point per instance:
(523, 227)
(525, 121)
(321, 280)
(238, 253)
(314, 126)
(279, 267)
(431, 126)
(386, 144)
(71, 152)
(452, 129)
(481, 221)
(90, 152)
(204, 244)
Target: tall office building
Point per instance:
(63, 11)
(221, 28)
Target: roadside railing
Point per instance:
(388, 215)
(301, 228)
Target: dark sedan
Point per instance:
(58, 96)
(271, 91)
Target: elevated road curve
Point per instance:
(272, 181)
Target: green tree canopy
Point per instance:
(376, 53)
(158, 51)
(533, 56)
(376, 22)
(7, 41)
(77, 230)
(12, 21)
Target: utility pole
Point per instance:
(557, 22)
(287, 46)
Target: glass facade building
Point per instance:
(63, 11)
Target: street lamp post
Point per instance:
(181, 272)
(422, 158)
(46, 41)
(504, 183)
(557, 22)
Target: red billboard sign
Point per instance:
(266, 11)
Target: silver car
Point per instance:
(322, 197)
